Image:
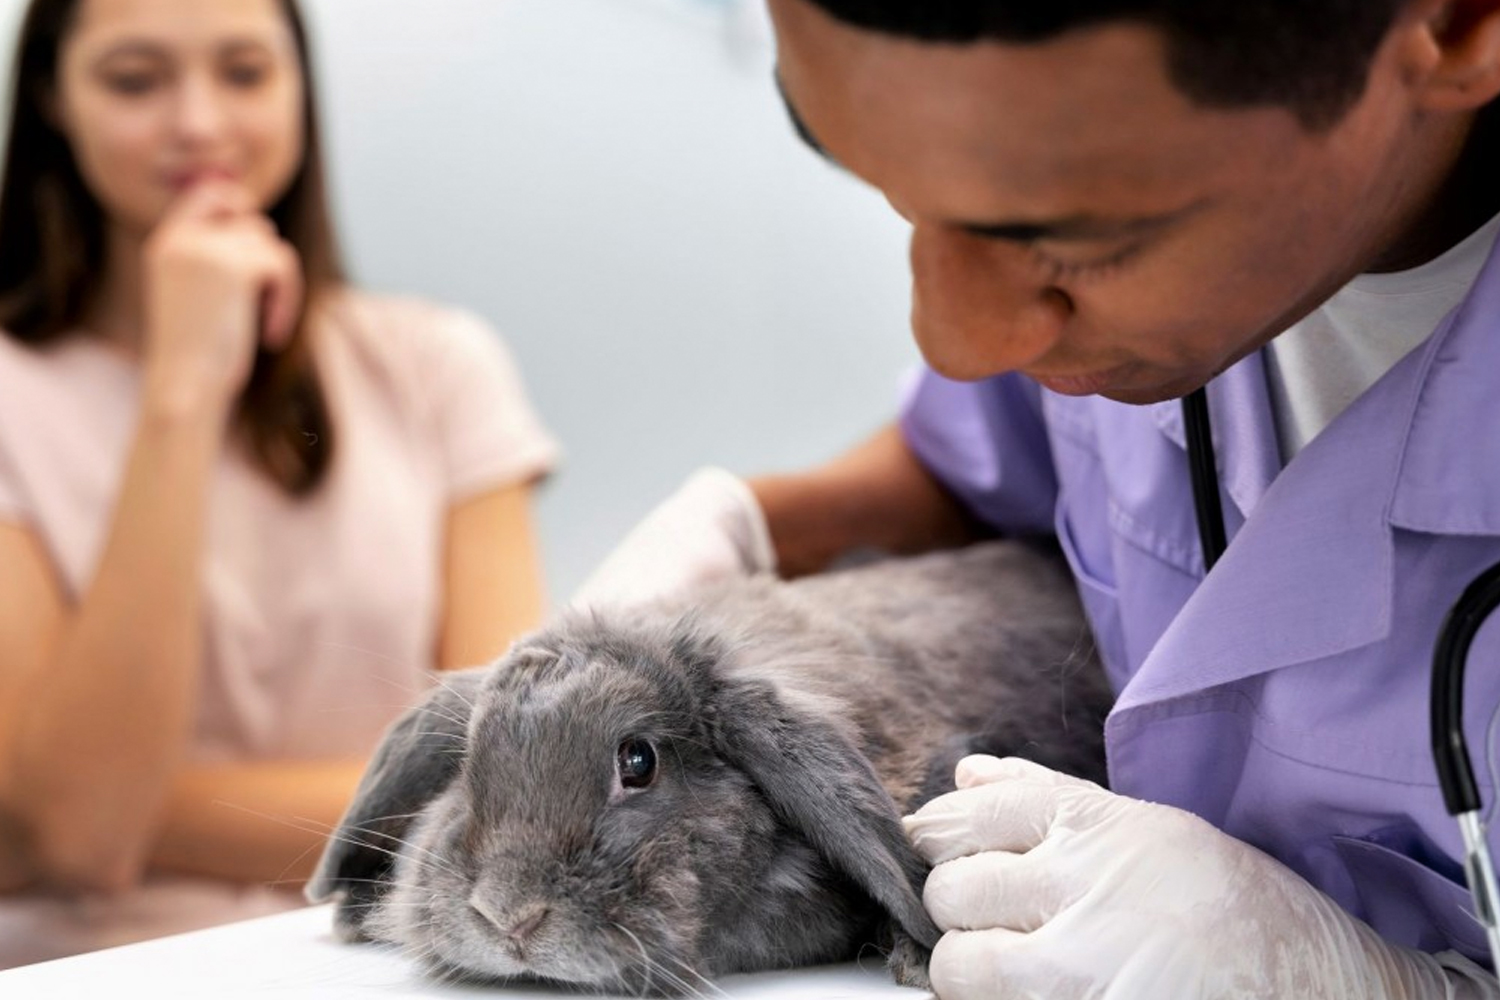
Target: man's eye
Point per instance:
(636, 762)
(1063, 270)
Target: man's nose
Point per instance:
(980, 307)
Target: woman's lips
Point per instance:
(189, 176)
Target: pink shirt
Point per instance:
(321, 615)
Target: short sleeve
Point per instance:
(13, 507)
(986, 442)
(488, 433)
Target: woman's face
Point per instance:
(155, 95)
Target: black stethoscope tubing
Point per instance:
(1203, 468)
(1450, 752)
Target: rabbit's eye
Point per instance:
(636, 760)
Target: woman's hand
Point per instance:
(219, 281)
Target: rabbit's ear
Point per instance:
(818, 782)
(418, 757)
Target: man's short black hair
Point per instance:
(1310, 56)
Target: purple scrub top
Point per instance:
(1284, 698)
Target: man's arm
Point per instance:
(877, 495)
(716, 525)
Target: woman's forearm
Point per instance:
(492, 576)
(877, 496)
(16, 868)
(257, 822)
(109, 697)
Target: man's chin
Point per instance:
(1124, 392)
(1143, 397)
(1123, 384)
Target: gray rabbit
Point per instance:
(639, 800)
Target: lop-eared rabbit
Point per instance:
(639, 800)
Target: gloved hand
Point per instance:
(1048, 886)
(711, 528)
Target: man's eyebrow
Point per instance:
(800, 126)
(1077, 228)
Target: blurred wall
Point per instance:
(614, 184)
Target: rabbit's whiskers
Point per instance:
(652, 967)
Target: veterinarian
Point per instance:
(244, 506)
(1293, 203)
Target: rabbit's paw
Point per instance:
(908, 961)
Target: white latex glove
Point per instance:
(1048, 886)
(711, 528)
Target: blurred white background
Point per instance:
(614, 184)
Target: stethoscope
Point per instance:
(1449, 750)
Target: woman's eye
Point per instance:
(636, 762)
(130, 84)
(246, 76)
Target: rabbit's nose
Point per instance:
(529, 921)
(517, 926)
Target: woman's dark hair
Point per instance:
(52, 239)
(1311, 56)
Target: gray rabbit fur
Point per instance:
(512, 826)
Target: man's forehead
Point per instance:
(1100, 79)
(1090, 111)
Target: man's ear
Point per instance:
(1459, 41)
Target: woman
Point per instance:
(243, 507)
